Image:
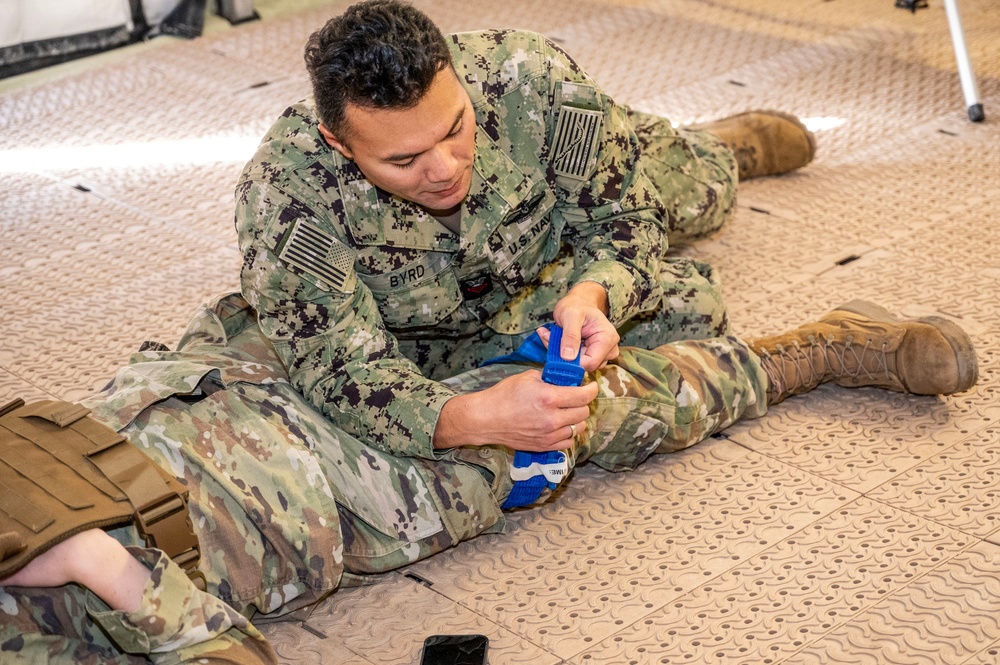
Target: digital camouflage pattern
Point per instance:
(369, 341)
(694, 172)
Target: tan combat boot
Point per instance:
(862, 344)
(765, 142)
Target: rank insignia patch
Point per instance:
(577, 134)
(318, 253)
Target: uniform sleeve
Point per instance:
(174, 616)
(331, 337)
(610, 211)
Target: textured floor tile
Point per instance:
(947, 262)
(186, 182)
(176, 99)
(858, 438)
(590, 503)
(876, 176)
(793, 593)
(926, 31)
(88, 293)
(13, 387)
(207, 67)
(753, 232)
(547, 17)
(295, 644)
(634, 80)
(387, 623)
(183, 180)
(987, 656)
(279, 44)
(195, 199)
(20, 107)
(902, 280)
(653, 555)
(765, 553)
(951, 615)
(959, 487)
(911, 255)
(866, 95)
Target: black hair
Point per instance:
(377, 54)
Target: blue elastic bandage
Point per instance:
(557, 371)
(532, 473)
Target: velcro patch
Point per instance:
(318, 253)
(577, 135)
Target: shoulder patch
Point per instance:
(575, 144)
(312, 250)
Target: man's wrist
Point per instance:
(453, 425)
(593, 292)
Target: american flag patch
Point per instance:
(577, 134)
(318, 253)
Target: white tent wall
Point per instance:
(33, 20)
(36, 33)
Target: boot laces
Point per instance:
(804, 370)
(849, 354)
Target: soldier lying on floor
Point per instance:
(437, 202)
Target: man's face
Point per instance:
(422, 154)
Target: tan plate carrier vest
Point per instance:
(62, 472)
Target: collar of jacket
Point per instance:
(375, 217)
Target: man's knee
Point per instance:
(692, 307)
(461, 498)
(694, 173)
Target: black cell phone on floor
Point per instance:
(455, 650)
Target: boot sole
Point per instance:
(958, 339)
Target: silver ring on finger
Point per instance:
(572, 429)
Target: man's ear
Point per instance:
(335, 142)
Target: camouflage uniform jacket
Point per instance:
(555, 171)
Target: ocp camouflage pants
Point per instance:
(657, 400)
(176, 623)
(649, 401)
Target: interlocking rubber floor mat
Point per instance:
(843, 527)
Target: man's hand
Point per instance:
(583, 315)
(521, 412)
